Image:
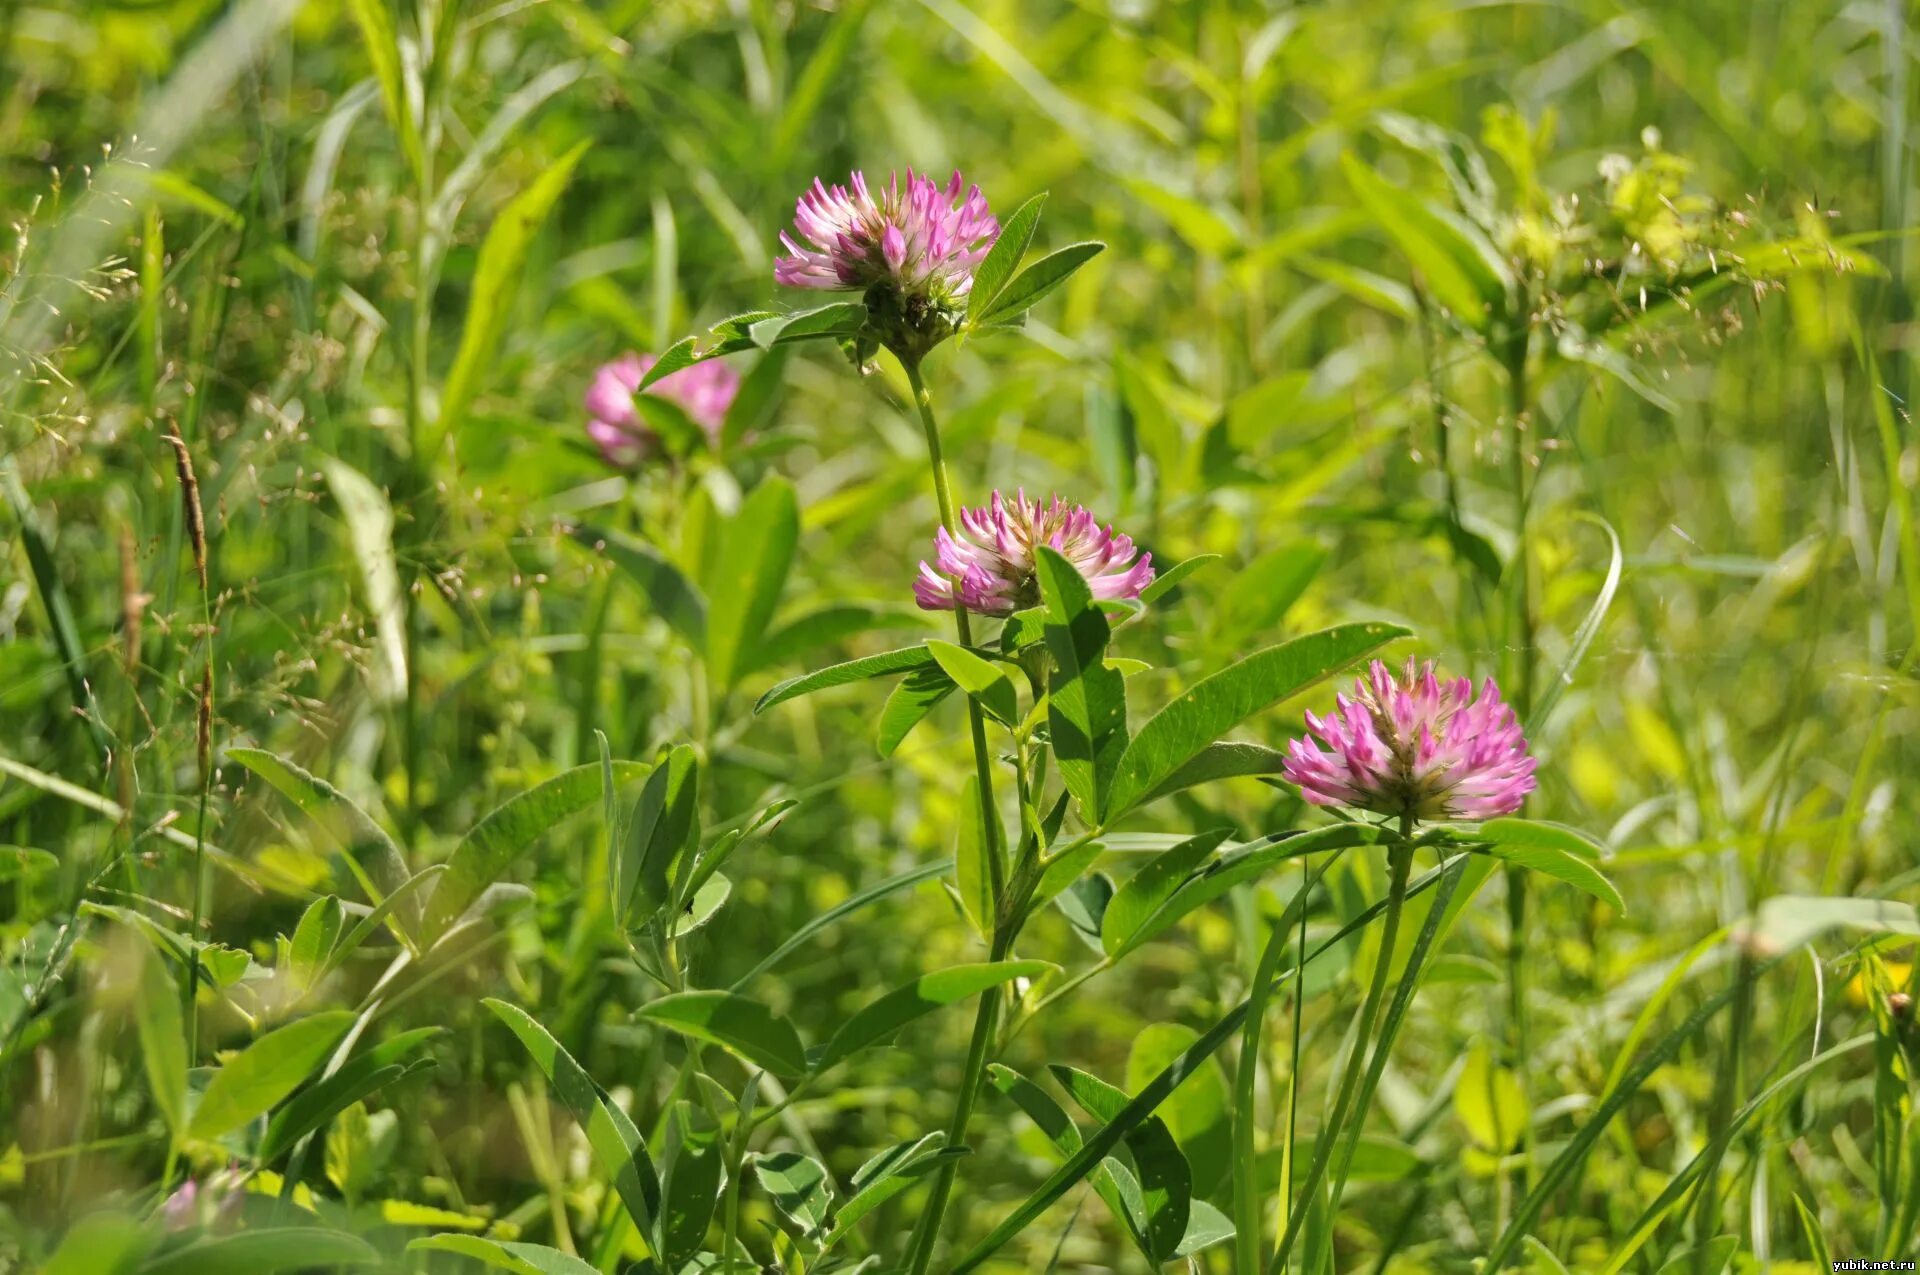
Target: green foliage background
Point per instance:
(1244, 372)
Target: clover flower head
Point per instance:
(923, 238)
(989, 567)
(1415, 746)
(704, 392)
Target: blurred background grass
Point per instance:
(1235, 375)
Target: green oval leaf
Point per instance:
(1120, 1194)
(1086, 699)
(1536, 832)
(984, 680)
(735, 1023)
(1165, 1182)
(690, 1189)
(365, 1073)
(666, 824)
(313, 939)
(266, 1071)
(919, 693)
(799, 1187)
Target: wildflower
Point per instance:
(911, 248)
(989, 567)
(704, 392)
(1415, 747)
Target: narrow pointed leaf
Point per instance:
(904, 660)
(163, 1047)
(1222, 759)
(1148, 890)
(916, 999)
(617, 1146)
(360, 1076)
(1086, 699)
(1037, 280)
(865, 898)
(373, 855)
(1144, 1103)
(746, 580)
(673, 596)
(990, 278)
(972, 880)
(499, 840)
(496, 285)
(908, 704)
(1164, 581)
(1122, 1198)
(1215, 705)
(505, 1255)
(886, 1175)
(1453, 259)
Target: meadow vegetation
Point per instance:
(960, 635)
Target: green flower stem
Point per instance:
(416, 488)
(976, 721)
(1399, 861)
(926, 1233)
(1246, 1190)
(1518, 391)
(730, 1209)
